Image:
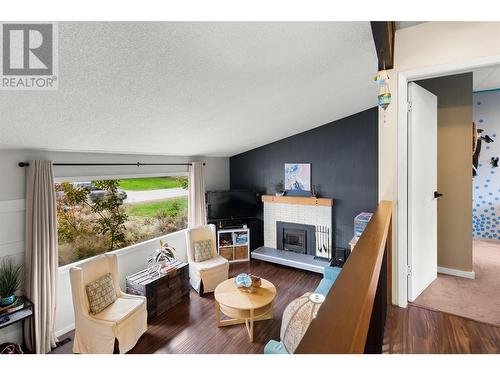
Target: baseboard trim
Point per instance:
(455, 272)
(65, 330)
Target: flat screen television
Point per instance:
(231, 204)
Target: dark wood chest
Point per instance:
(162, 291)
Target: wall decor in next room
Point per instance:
(486, 183)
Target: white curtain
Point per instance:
(41, 255)
(197, 212)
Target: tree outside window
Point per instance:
(99, 216)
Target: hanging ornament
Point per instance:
(384, 93)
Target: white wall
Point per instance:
(12, 193)
(432, 44)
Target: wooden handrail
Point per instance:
(343, 320)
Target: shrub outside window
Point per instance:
(94, 217)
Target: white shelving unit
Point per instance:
(234, 244)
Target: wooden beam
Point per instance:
(343, 320)
(383, 36)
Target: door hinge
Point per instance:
(409, 107)
(408, 270)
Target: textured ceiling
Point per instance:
(486, 79)
(193, 88)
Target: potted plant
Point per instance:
(165, 254)
(10, 279)
(160, 258)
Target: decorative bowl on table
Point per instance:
(247, 283)
(243, 280)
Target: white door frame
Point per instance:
(404, 77)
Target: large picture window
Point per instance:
(94, 217)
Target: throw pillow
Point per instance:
(101, 293)
(202, 250)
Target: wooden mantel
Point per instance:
(307, 201)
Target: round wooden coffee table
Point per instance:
(244, 307)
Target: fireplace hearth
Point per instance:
(299, 238)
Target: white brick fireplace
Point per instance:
(298, 210)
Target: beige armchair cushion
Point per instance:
(119, 310)
(209, 264)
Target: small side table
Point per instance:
(162, 291)
(18, 315)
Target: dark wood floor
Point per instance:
(418, 330)
(190, 326)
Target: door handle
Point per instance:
(437, 194)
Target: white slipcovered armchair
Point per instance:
(205, 276)
(124, 320)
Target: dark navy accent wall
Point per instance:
(344, 165)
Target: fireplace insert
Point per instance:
(295, 240)
(299, 238)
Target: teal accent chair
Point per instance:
(330, 274)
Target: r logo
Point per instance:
(27, 49)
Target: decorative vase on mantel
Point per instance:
(280, 189)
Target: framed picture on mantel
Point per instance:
(298, 179)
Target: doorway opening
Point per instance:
(466, 200)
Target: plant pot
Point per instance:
(7, 300)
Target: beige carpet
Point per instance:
(478, 299)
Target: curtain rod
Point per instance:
(138, 164)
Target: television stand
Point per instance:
(255, 225)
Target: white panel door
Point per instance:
(422, 184)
